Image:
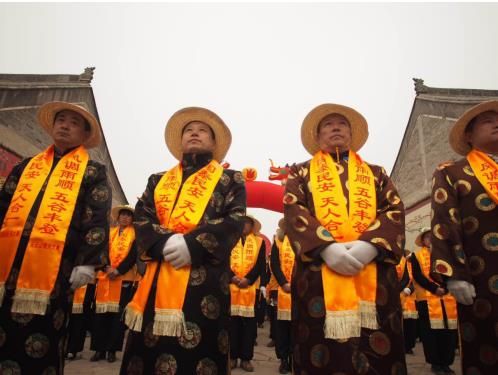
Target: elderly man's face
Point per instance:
(197, 137)
(483, 135)
(125, 218)
(334, 133)
(69, 130)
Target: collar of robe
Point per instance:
(196, 160)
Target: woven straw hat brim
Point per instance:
(309, 129)
(175, 125)
(46, 117)
(457, 138)
(116, 209)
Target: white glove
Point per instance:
(407, 291)
(81, 275)
(338, 259)
(263, 291)
(463, 291)
(363, 251)
(176, 251)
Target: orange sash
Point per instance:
(181, 217)
(407, 302)
(349, 301)
(242, 260)
(486, 171)
(108, 291)
(78, 299)
(48, 236)
(434, 303)
(286, 255)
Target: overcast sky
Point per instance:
(261, 67)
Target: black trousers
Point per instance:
(261, 310)
(439, 344)
(79, 324)
(108, 329)
(272, 317)
(283, 343)
(410, 333)
(242, 335)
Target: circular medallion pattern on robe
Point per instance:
(135, 366)
(159, 229)
(470, 225)
(481, 308)
(208, 241)
(210, 307)
(395, 216)
(381, 242)
(382, 295)
(468, 332)
(487, 355)
(316, 307)
(22, 319)
(95, 236)
(392, 197)
(319, 355)
(484, 202)
(10, 368)
(100, 193)
(462, 187)
(37, 345)
(490, 241)
(297, 246)
(223, 341)
(90, 172)
(206, 366)
(303, 333)
(476, 265)
(360, 362)
(302, 286)
(454, 215)
(443, 267)
(58, 319)
(197, 276)
(225, 179)
(395, 322)
(374, 226)
(3, 336)
(493, 284)
(380, 343)
(323, 234)
(49, 371)
(289, 198)
(87, 214)
(300, 223)
(192, 337)
(150, 340)
(440, 195)
(440, 231)
(165, 365)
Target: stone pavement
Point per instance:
(265, 362)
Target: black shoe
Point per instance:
(284, 367)
(447, 370)
(111, 357)
(410, 351)
(437, 369)
(97, 356)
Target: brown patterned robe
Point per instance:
(204, 348)
(34, 344)
(465, 247)
(376, 351)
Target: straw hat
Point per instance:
(458, 141)
(175, 125)
(418, 240)
(309, 129)
(117, 209)
(256, 228)
(46, 118)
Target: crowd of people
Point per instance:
(188, 274)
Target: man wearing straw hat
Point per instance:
(247, 264)
(345, 221)
(465, 234)
(54, 232)
(187, 221)
(282, 264)
(436, 310)
(114, 287)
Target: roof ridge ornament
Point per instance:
(420, 88)
(87, 75)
